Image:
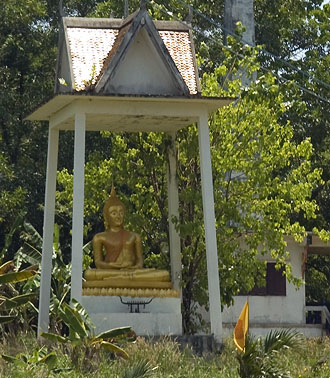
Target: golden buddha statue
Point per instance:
(118, 256)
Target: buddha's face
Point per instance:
(116, 216)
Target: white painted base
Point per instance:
(161, 317)
(143, 324)
(260, 330)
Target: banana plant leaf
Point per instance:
(28, 254)
(10, 358)
(9, 235)
(74, 337)
(6, 319)
(35, 237)
(75, 321)
(83, 313)
(6, 266)
(61, 370)
(17, 301)
(50, 360)
(56, 239)
(114, 349)
(112, 333)
(63, 315)
(54, 337)
(34, 267)
(16, 276)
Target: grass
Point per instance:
(163, 359)
(313, 360)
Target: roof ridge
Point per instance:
(129, 18)
(123, 29)
(112, 52)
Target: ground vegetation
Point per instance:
(270, 159)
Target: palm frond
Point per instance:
(139, 369)
(260, 358)
(250, 360)
(279, 339)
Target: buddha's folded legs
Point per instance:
(152, 275)
(126, 283)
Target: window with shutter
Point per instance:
(275, 283)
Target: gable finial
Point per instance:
(125, 8)
(60, 8)
(189, 15)
(143, 4)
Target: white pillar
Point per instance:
(48, 231)
(173, 211)
(209, 224)
(78, 205)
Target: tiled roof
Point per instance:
(89, 48)
(93, 48)
(179, 46)
(120, 35)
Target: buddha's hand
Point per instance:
(136, 266)
(125, 265)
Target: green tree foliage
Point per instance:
(299, 32)
(283, 27)
(303, 37)
(27, 61)
(317, 280)
(263, 180)
(28, 48)
(11, 196)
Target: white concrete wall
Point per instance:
(161, 317)
(274, 309)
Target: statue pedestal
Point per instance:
(160, 317)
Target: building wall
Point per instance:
(287, 309)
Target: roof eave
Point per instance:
(47, 110)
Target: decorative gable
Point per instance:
(136, 56)
(141, 63)
(141, 71)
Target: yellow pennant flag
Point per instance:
(241, 328)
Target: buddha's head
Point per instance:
(113, 211)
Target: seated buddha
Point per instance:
(118, 255)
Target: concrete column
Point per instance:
(78, 205)
(48, 231)
(173, 211)
(240, 10)
(209, 223)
